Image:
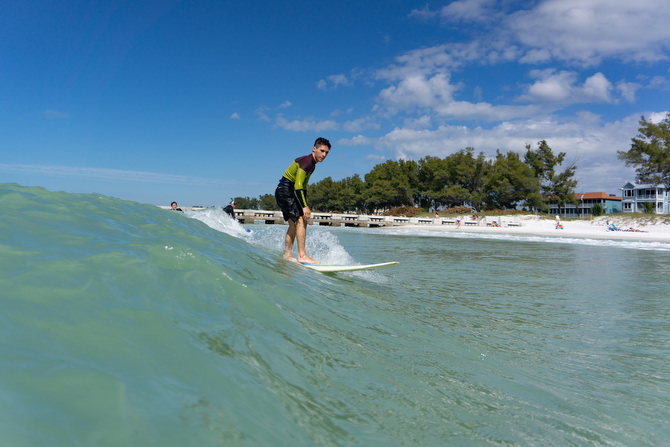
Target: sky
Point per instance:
(201, 101)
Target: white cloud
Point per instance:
(235, 116)
(417, 91)
(306, 125)
(551, 86)
(627, 90)
(262, 113)
(339, 79)
(285, 105)
(358, 125)
(584, 32)
(596, 88)
(589, 31)
(335, 81)
(468, 10)
(424, 13)
(562, 87)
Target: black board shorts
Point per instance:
(287, 201)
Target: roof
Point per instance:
(595, 195)
(630, 185)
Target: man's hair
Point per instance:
(321, 142)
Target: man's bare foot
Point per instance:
(290, 258)
(307, 260)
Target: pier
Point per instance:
(365, 220)
(322, 219)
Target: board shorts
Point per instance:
(287, 201)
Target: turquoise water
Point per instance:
(125, 324)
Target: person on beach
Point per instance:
(173, 205)
(230, 209)
(291, 195)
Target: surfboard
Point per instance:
(348, 268)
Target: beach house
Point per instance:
(609, 204)
(635, 197)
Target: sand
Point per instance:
(651, 231)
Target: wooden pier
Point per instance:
(365, 220)
(323, 219)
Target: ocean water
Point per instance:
(122, 324)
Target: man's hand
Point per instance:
(306, 211)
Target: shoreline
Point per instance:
(533, 226)
(652, 228)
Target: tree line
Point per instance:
(462, 179)
(506, 181)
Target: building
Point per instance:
(585, 201)
(636, 196)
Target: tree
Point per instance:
(352, 193)
(268, 202)
(650, 152)
(560, 186)
(392, 183)
(246, 203)
(432, 181)
(468, 171)
(509, 181)
(597, 210)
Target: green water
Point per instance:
(124, 324)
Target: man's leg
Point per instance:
(290, 237)
(301, 231)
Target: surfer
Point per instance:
(173, 205)
(291, 195)
(230, 209)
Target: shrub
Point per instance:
(597, 210)
(408, 211)
(458, 210)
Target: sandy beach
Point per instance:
(651, 230)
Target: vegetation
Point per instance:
(264, 202)
(650, 152)
(597, 210)
(463, 179)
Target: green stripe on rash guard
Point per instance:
(299, 173)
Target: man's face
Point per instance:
(320, 153)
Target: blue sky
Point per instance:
(197, 102)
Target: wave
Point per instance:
(125, 324)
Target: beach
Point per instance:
(651, 230)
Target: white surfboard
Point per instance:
(348, 268)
